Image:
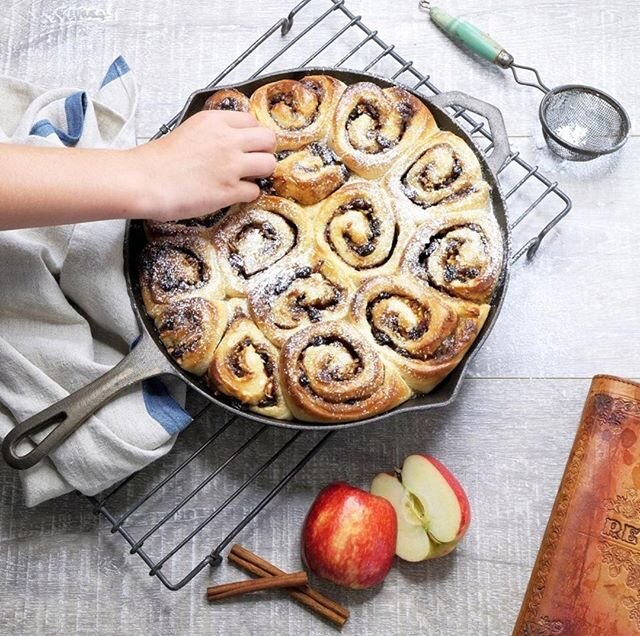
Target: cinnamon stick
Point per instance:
(273, 570)
(301, 595)
(227, 590)
(306, 595)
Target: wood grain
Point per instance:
(571, 313)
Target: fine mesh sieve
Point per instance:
(579, 122)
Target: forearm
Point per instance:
(52, 186)
(207, 163)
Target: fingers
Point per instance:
(257, 140)
(235, 119)
(257, 164)
(246, 191)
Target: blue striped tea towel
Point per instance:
(65, 318)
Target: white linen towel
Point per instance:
(65, 316)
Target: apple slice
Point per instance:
(431, 506)
(412, 542)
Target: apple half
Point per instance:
(432, 508)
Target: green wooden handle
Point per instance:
(471, 37)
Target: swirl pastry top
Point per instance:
(359, 230)
(461, 255)
(191, 329)
(178, 267)
(372, 127)
(332, 374)
(227, 99)
(416, 329)
(439, 175)
(307, 175)
(289, 298)
(246, 367)
(256, 236)
(298, 111)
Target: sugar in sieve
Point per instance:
(579, 122)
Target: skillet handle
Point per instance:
(144, 361)
(501, 148)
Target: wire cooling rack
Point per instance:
(264, 460)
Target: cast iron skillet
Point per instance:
(149, 357)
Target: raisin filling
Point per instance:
(391, 323)
(228, 103)
(174, 268)
(334, 374)
(388, 129)
(235, 363)
(297, 304)
(269, 243)
(189, 321)
(450, 247)
(430, 181)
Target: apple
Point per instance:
(432, 508)
(349, 536)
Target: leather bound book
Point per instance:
(586, 578)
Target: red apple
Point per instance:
(431, 505)
(349, 536)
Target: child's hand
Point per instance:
(203, 165)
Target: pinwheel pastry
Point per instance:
(299, 112)
(372, 127)
(438, 175)
(228, 99)
(176, 268)
(359, 278)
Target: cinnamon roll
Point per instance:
(296, 295)
(176, 268)
(227, 99)
(439, 175)
(299, 112)
(199, 225)
(359, 230)
(256, 236)
(245, 367)
(307, 175)
(415, 329)
(332, 374)
(460, 256)
(191, 329)
(372, 127)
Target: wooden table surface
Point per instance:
(571, 313)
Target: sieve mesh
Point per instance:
(584, 119)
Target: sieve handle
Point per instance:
(501, 149)
(470, 37)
